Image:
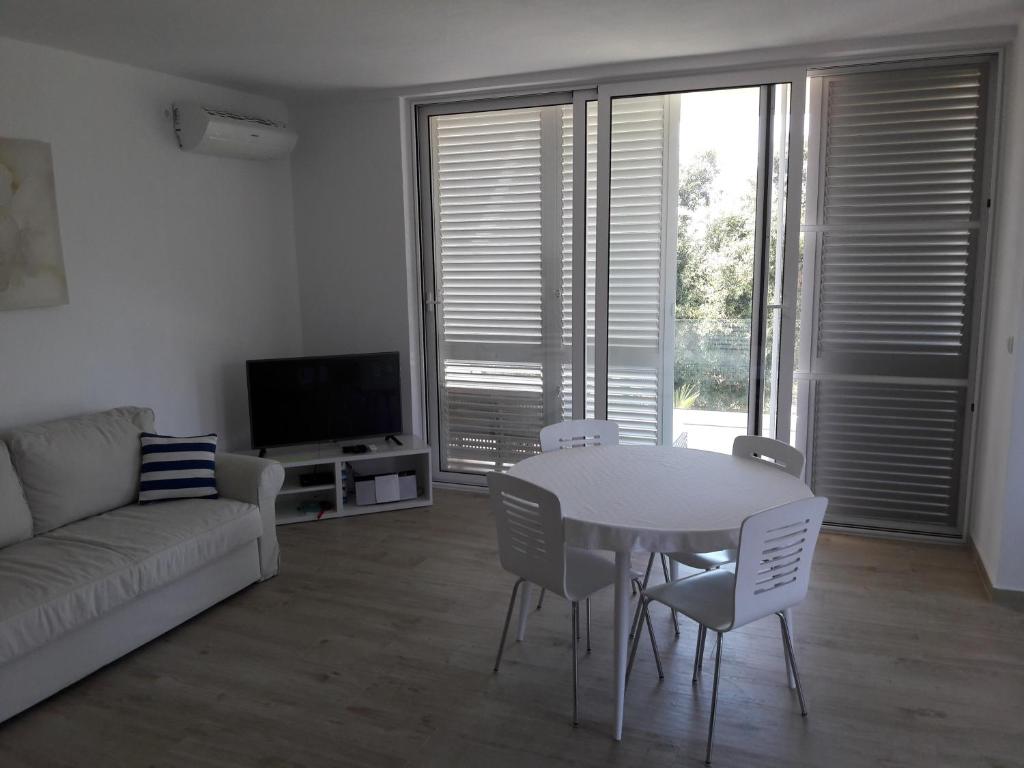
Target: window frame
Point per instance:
(994, 42)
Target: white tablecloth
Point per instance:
(657, 499)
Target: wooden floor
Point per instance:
(374, 647)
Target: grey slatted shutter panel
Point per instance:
(502, 185)
(893, 217)
(639, 207)
(900, 205)
(888, 453)
(489, 194)
(488, 222)
(638, 249)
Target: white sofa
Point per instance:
(86, 574)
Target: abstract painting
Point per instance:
(31, 262)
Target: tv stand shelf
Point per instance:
(382, 458)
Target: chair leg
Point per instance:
(588, 625)
(787, 640)
(645, 619)
(789, 668)
(575, 610)
(650, 566)
(698, 651)
(714, 698)
(636, 637)
(636, 614)
(540, 598)
(668, 578)
(703, 643)
(508, 618)
(654, 644)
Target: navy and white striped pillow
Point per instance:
(177, 468)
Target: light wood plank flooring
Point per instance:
(374, 647)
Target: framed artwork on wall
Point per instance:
(31, 260)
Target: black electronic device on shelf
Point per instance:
(316, 478)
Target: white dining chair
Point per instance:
(757, 448)
(773, 569)
(579, 433)
(531, 545)
(785, 457)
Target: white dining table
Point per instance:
(630, 498)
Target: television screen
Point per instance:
(312, 399)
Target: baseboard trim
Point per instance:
(1008, 598)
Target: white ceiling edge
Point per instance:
(272, 106)
(320, 46)
(817, 55)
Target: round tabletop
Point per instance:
(657, 498)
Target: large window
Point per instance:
(527, 324)
(636, 253)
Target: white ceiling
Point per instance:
(283, 46)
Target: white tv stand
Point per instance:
(413, 454)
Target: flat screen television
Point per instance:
(314, 399)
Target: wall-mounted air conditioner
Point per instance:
(218, 132)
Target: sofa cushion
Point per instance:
(54, 583)
(15, 519)
(48, 587)
(171, 539)
(77, 467)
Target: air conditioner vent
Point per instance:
(244, 118)
(211, 131)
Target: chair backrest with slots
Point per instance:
(578, 434)
(531, 540)
(785, 457)
(773, 564)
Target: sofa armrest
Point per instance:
(254, 481)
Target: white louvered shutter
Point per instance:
(501, 198)
(493, 193)
(894, 209)
(642, 213)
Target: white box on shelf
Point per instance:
(366, 491)
(386, 488)
(407, 485)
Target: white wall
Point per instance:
(179, 266)
(349, 219)
(997, 525)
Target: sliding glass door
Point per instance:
(693, 258)
(616, 254)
